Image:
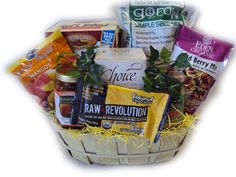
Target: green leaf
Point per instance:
(165, 54)
(182, 61)
(160, 81)
(152, 71)
(156, 81)
(148, 84)
(95, 73)
(154, 56)
(97, 69)
(74, 73)
(87, 69)
(90, 55)
(59, 57)
(63, 55)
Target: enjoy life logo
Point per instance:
(204, 47)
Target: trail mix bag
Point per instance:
(153, 23)
(36, 71)
(198, 60)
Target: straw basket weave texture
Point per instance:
(95, 149)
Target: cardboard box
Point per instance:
(123, 66)
(81, 35)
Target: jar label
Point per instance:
(63, 106)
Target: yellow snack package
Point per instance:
(36, 71)
(123, 110)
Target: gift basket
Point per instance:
(125, 91)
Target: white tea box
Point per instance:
(122, 66)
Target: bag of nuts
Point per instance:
(198, 59)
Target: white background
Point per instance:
(30, 147)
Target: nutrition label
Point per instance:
(158, 38)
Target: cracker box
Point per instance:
(81, 35)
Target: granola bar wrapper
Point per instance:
(36, 70)
(153, 23)
(123, 110)
(198, 60)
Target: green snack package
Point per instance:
(153, 23)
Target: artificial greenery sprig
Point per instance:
(85, 68)
(156, 77)
(87, 73)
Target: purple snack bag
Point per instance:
(198, 59)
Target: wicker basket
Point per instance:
(93, 149)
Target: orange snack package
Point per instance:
(36, 70)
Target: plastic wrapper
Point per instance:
(84, 34)
(123, 110)
(198, 59)
(153, 23)
(36, 71)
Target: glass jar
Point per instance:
(64, 96)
